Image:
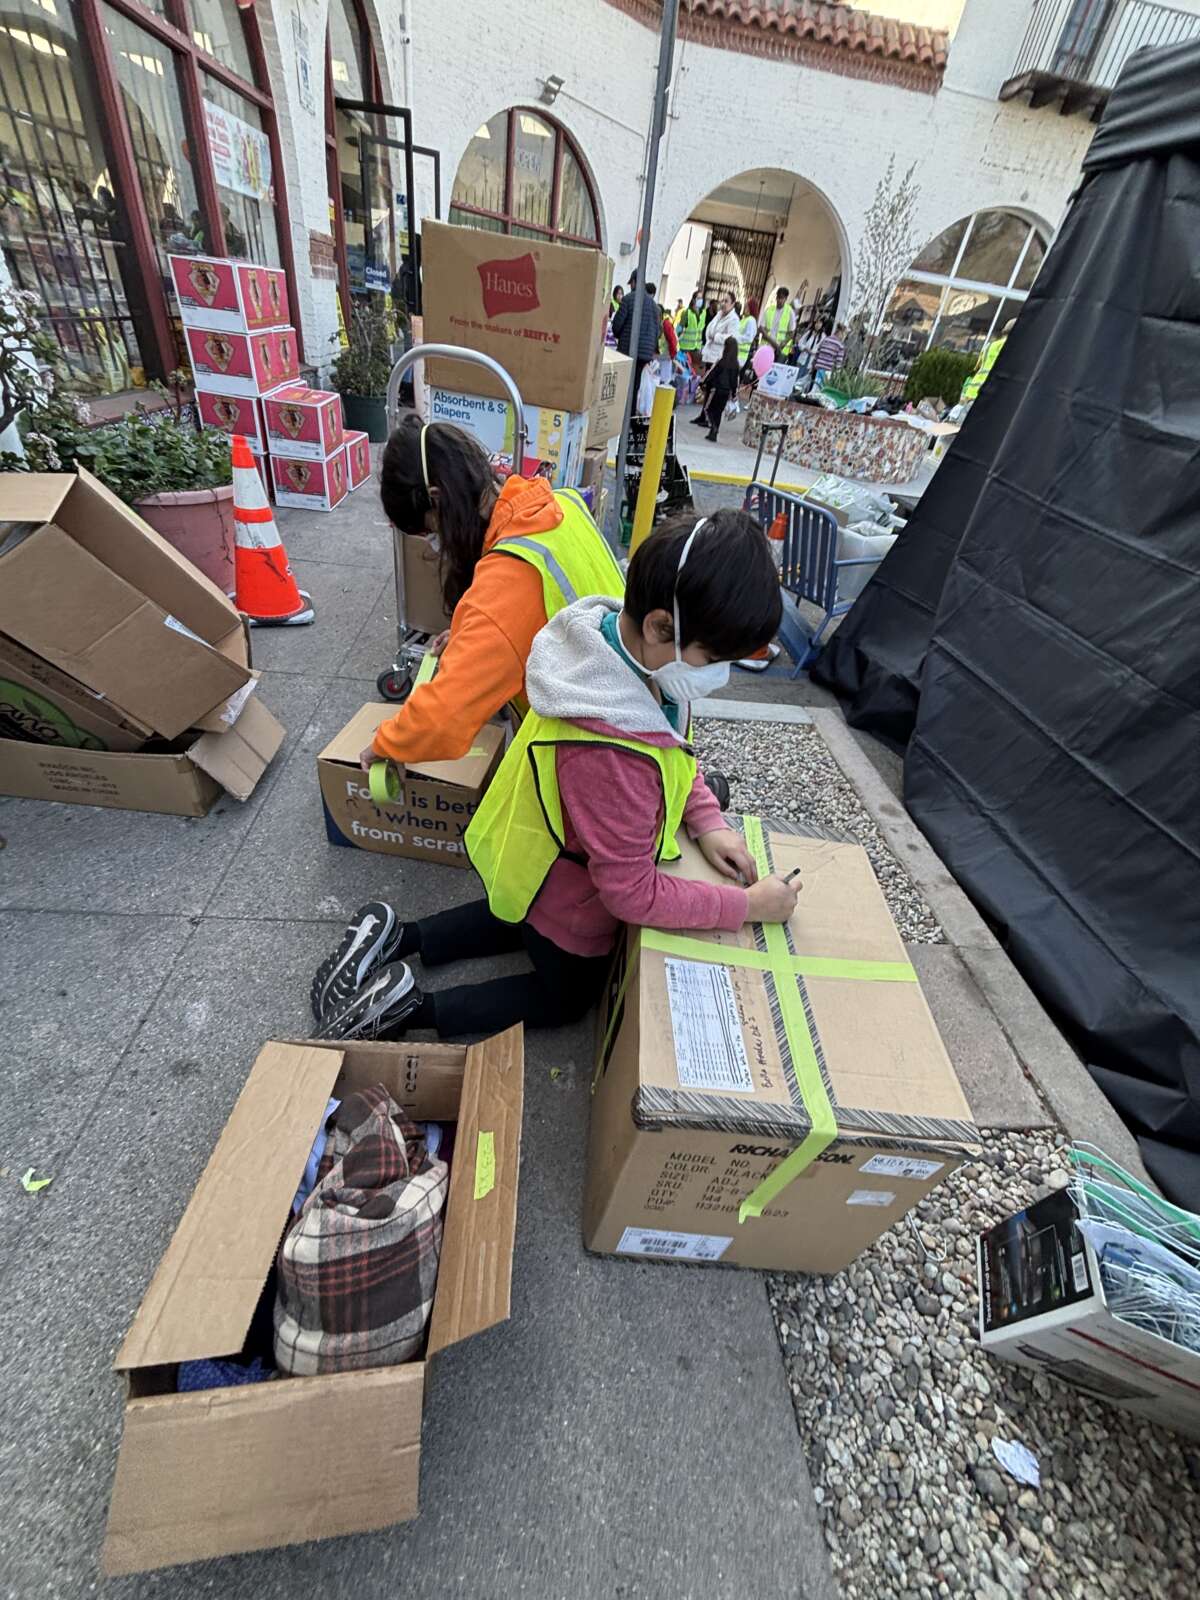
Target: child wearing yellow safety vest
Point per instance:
(586, 805)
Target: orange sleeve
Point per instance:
(481, 669)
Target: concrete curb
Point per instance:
(1057, 1073)
(750, 711)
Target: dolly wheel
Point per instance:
(395, 684)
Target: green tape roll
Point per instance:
(383, 781)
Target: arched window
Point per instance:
(962, 287)
(523, 175)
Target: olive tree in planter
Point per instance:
(361, 370)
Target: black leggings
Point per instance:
(560, 989)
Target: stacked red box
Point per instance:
(242, 363)
(310, 485)
(234, 414)
(358, 458)
(229, 296)
(305, 435)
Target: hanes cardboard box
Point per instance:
(716, 1054)
(221, 1471)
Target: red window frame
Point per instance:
(562, 140)
(373, 87)
(175, 31)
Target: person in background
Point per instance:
(831, 352)
(586, 806)
(618, 295)
(720, 386)
(971, 388)
(677, 313)
(668, 348)
(644, 347)
(779, 324)
(721, 327)
(747, 330)
(690, 328)
(805, 349)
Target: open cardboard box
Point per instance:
(226, 1470)
(699, 1096)
(437, 799)
(88, 585)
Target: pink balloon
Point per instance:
(764, 360)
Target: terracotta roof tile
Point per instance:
(840, 25)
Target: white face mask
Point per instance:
(679, 680)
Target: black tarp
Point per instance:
(1040, 621)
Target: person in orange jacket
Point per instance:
(436, 480)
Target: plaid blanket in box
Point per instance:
(358, 1267)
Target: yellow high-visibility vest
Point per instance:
(970, 389)
(573, 558)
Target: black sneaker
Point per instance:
(368, 942)
(378, 1010)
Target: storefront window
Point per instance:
(506, 181)
(241, 157)
(346, 52)
(217, 29)
(64, 237)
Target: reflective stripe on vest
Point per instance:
(573, 558)
(690, 331)
(517, 834)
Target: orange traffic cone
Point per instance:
(266, 589)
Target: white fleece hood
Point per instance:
(574, 673)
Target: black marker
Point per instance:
(794, 873)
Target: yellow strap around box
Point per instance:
(726, 955)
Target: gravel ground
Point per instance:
(780, 769)
(897, 1406)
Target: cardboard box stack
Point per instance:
(774, 1098)
(539, 310)
(244, 356)
(125, 675)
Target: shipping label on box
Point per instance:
(358, 458)
(229, 296)
(607, 412)
(723, 1053)
(555, 438)
(234, 413)
(437, 799)
(310, 485)
(539, 309)
(242, 363)
(303, 423)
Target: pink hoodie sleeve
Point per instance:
(614, 802)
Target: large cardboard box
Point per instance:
(437, 799)
(184, 782)
(424, 607)
(706, 1076)
(607, 411)
(42, 705)
(229, 296)
(242, 363)
(249, 1468)
(555, 438)
(1042, 1304)
(538, 309)
(90, 587)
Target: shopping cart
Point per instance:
(396, 682)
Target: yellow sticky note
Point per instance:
(485, 1165)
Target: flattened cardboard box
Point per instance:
(698, 1098)
(184, 783)
(437, 799)
(1042, 1305)
(220, 1471)
(94, 590)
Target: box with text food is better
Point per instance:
(310, 485)
(1042, 1304)
(92, 589)
(358, 458)
(773, 1098)
(219, 1471)
(234, 413)
(435, 802)
(242, 363)
(539, 309)
(229, 296)
(555, 438)
(303, 423)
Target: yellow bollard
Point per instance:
(656, 449)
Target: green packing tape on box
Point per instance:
(425, 672)
(383, 781)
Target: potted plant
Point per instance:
(361, 370)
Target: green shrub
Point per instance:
(145, 453)
(939, 373)
(364, 366)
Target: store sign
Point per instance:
(241, 155)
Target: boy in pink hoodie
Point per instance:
(586, 804)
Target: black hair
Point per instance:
(651, 290)
(728, 591)
(461, 472)
(781, 291)
(729, 356)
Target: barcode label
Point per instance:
(871, 1197)
(710, 1052)
(1079, 1271)
(673, 1246)
(901, 1167)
